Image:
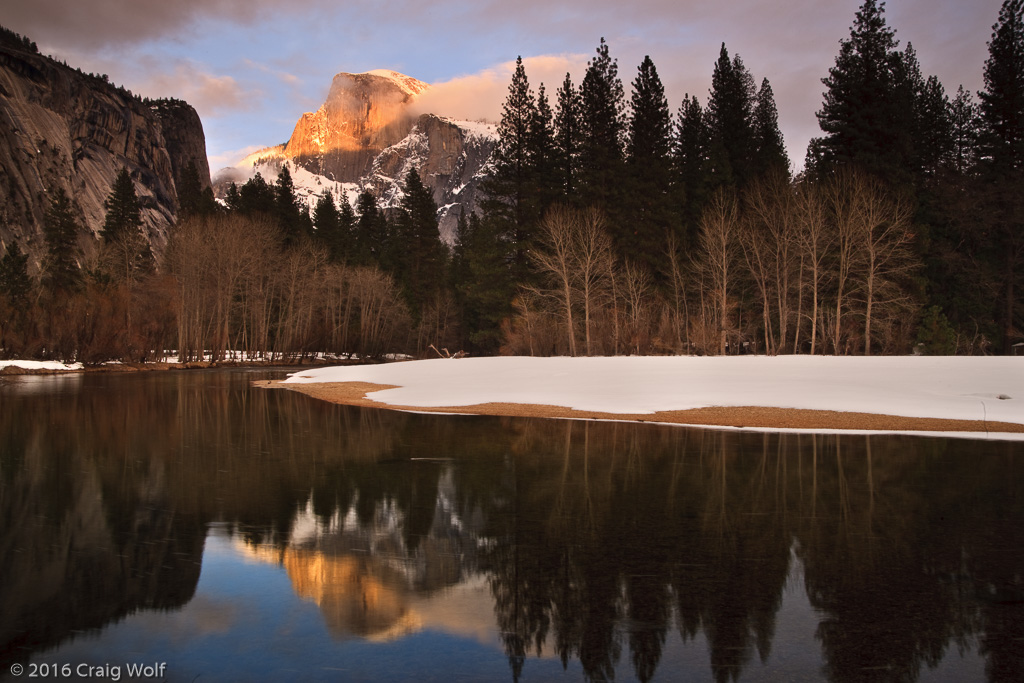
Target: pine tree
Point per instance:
(292, 219)
(16, 311)
(15, 282)
(329, 231)
(1002, 100)
(421, 256)
(692, 164)
(1002, 156)
(508, 185)
(61, 228)
(934, 143)
(126, 251)
(602, 101)
(513, 186)
(863, 116)
(193, 199)
(964, 117)
(567, 138)
(233, 198)
(542, 155)
(257, 196)
(124, 213)
(482, 283)
(648, 202)
(346, 226)
(372, 241)
(769, 149)
(730, 122)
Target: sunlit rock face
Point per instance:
(368, 135)
(60, 128)
(363, 115)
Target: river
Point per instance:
(185, 526)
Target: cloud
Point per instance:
(283, 76)
(102, 23)
(208, 93)
(230, 157)
(480, 96)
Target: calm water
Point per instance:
(215, 532)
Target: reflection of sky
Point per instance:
(246, 623)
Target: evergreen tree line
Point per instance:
(608, 226)
(624, 229)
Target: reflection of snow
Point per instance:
(23, 385)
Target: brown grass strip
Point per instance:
(354, 394)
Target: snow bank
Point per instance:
(965, 388)
(39, 365)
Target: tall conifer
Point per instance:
(567, 138)
(769, 149)
(327, 221)
(863, 115)
(15, 282)
(730, 122)
(371, 235)
(420, 257)
(1002, 100)
(511, 189)
(124, 213)
(648, 207)
(126, 251)
(602, 102)
(61, 228)
(542, 155)
(1002, 156)
(692, 162)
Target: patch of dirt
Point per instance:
(354, 394)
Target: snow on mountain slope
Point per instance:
(409, 84)
(452, 158)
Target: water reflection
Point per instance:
(606, 546)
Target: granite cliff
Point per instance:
(62, 128)
(367, 135)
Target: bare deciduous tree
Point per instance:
(719, 225)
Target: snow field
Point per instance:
(964, 388)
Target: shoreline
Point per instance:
(753, 417)
(164, 366)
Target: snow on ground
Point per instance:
(40, 365)
(966, 388)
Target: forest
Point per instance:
(610, 226)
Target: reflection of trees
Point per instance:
(596, 547)
(892, 559)
(601, 524)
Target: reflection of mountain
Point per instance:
(365, 576)
(77, 553)
(357, 595)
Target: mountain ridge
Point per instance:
(367, 136)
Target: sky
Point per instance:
(251, 68)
